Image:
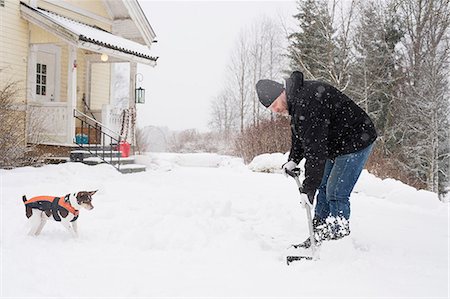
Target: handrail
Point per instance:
(86, 106)
(98, 129)
(75, 111)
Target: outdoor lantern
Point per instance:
(140, 95)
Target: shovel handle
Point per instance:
(294, 172)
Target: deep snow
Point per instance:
(201, 225)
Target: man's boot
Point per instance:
(321, 233)
(338, 227)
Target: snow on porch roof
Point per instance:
(88, 37)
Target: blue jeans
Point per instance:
(339, 178)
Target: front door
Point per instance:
(45, 76)
(44, 73)
(47, 112)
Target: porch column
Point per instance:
(132, 100)
(71, 92)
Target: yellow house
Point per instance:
(61, 53)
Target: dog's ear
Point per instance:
(92, 192)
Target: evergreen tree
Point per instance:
(310, 47)
(374, 74)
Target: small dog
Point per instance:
(64, 209)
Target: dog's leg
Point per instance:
(75, 227)
(44, 219)
(69, 227)
(35, 221)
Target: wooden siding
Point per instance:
(93, 6)
(13, 48)
(100, 85)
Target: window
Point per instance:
(41, 79)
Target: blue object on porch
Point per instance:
(81, 139)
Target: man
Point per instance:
(334, 135)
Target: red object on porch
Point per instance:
(124, 148)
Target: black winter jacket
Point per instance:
(325, 124)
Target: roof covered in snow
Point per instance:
(86, 36)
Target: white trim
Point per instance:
(87, 81)
(112, 91)
(80, 11)
(141, 21)
(71, 92)
(132, 95)
(33, 17)
(132, 99)
(118, 54)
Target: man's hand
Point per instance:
(288, 166)
(311, 196)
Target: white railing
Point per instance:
(102, 136)
(112, 117)
(101, 125)
(47, 122)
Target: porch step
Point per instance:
(114, 160)
(132, 168)
(86, 154)
(99, 147)
(124, 164)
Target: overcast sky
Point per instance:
(195, 40)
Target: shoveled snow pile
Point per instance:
(270, 163)
(203, 225)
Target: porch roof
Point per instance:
(88, 37)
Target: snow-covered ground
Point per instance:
(201, 225)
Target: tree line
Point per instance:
(391, 57)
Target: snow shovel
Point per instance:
(307, 205)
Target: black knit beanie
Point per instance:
(268, 91)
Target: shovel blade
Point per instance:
(292, 258)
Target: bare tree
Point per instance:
(423, 107)
(257, 55)
(224, 114)
(12, 130)
(266, 48)
(239, 74)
